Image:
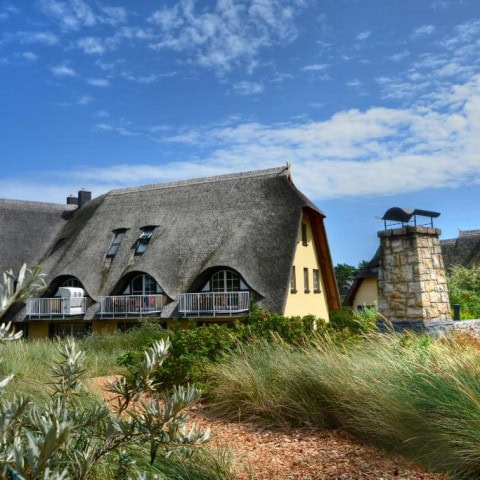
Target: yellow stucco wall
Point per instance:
(37, 330)
(302, 303)
(367, 294)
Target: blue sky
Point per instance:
(374, 103)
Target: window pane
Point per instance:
(305, 280)
(218, 282)
(143, 240)
(137, 285)
(112, 251)
(141, 248)
(225, 281)
(293, 280)
(316, 281)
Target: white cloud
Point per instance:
(102, 114)
(423, 31)
(145, 79)
(398, 57)
(363, 35)
(76, 14)
(85, 100)
(248, 88)
(353, 83)
(71, 14)
(98, 82)
(114, 15)
(379, 151)
(30, 56)
(44, 38)
(63, 71)
(316, 67)
(228, 35)
(6, 11)
(91, 45)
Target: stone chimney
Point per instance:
(412, 287)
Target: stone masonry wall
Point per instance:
(412, 281)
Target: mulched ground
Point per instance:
(295, 454)
(304, 454)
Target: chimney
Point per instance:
(412, 284)
(83, 197)
(71, 200)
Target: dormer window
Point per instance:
(112, 251)
(144, 240)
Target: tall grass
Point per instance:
(408, 393)
(31, 361)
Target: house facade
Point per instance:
(201, 249)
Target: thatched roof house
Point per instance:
(206, 236)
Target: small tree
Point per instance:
(62, 439)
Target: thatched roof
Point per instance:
(463, 250)
(27, 229)
(247, 222)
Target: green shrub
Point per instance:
(67, 438)
(464, 289)
(261, 324)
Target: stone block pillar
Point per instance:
(412, 287)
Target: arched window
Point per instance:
(225, 281)
(142, 284)
(71, 282)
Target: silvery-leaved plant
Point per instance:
(65, 440)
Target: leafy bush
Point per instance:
(260, 324)
(193, 350)
(64, 438)
(464, 288)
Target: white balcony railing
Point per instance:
(130, 305)
(56, 307)
(214, 303)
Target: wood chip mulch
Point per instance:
(295, 454)
(304, 454)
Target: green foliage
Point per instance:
(63, 438)
(410, 393)
(464, 288)
(194, 349)
(344, 275)
(260, 324)
(17, 288)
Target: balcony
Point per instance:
(130, 305)
(57, 307)
(214, 303)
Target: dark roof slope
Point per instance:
(247, 221)
(26, 229)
